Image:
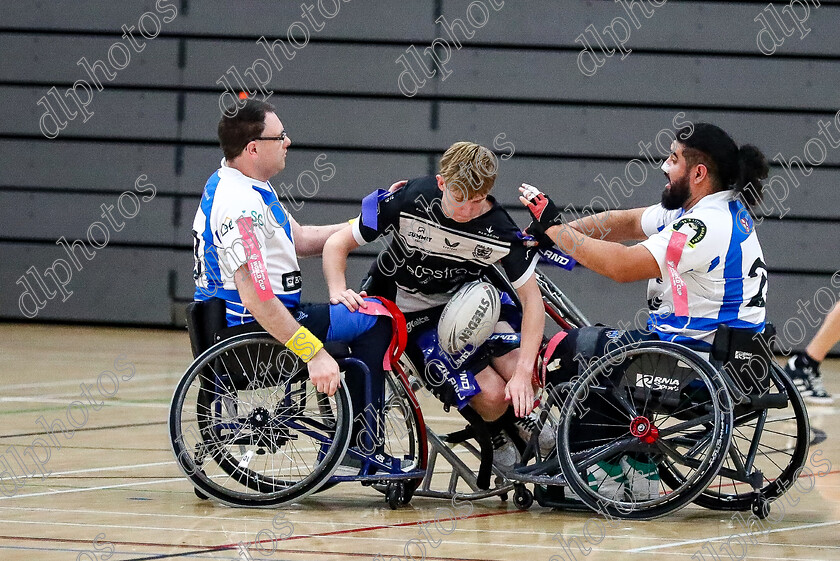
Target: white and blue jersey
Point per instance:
(219, 249)
(713, 270)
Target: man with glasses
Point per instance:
(247, 248)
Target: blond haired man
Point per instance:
(447, 231)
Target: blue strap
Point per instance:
(370, 207)
(558, 259)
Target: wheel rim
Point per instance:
(270, 440)
(637, 409)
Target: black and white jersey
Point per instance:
(430, 255)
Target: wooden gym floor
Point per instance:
(112, 490)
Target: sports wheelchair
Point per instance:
(722, 427)
(249, 429)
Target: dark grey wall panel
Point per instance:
(116, 113)
(48, 216)
(85, 165)
(675, 25)
(702, 80)
(379, 19)
(118, 284)
(53, 59)
(617, 131)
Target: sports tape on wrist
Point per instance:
(304, 344)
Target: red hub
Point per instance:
(643, 429)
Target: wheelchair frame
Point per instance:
(429, 448)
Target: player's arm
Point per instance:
(613, 225)
(519, 389)
(310, 240)
(610, 225)
(336, 250)
(619, 262)
(276, 319)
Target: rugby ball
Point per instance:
(469, 317)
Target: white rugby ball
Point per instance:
(469, 317)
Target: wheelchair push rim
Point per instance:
(665, 406)
(264, 443)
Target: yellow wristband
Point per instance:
(304, 344)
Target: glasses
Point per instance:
(282, 136)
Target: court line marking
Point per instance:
(110, 402)
(743, 534)
(85, 429)
(111, 468)
(83, 489)
(75, 383)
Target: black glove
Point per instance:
(544, 211)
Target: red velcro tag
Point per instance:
(549, 350)
(678, 288)
(399, 332)
(256, 265)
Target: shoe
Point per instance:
(527, 426)
(805, 374)
(607, 479)
(642, 479)
(505, 454)
(350, 466)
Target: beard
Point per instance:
(677, 194)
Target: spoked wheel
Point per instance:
(780, 439)
(636, 409)
(249, 429)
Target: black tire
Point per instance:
(272, 441)
(642, 406)
(523, 498)
(779, 461)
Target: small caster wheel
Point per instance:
(395, 494)
(761, 507)
(522, 498)
(504, 497)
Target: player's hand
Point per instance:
(324, 372)
(398, 185)
(350, 298)
(544, 211)
(520, 393)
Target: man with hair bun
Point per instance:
(699, 251)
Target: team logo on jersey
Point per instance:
(697, 225)
(745, 222)
(450, 244)
(482, 251)
(419, 235)
(292, 281)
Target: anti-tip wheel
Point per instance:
(761, 507)
(395, 494)
(523, 498)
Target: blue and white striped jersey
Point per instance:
(218, 243)
(713, 270)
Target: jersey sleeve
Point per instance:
(691, 243)
(379, 215)
(520, 263)
(656, 217)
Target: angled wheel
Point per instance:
(249, 429)
(637, 409)
(773, 442)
